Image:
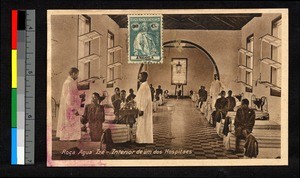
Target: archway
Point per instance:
(191, 43)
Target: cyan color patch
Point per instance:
(145, 39)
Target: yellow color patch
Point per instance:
(14, 69)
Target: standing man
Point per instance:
(244, 123)
(215, 89)
(158, 92)
(231, 101)
(69, 126)
(116, 101)
(202, 96)
(158, 95)
(144, 130)
(152, 92)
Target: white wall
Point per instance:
(64, 49)
(63, 52)
(259, 27)
(198, 69)
(129, 71)
(221, 45)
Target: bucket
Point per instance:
(171, 107)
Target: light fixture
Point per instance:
(178, 67)
(178, 45)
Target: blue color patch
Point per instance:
(14, 146)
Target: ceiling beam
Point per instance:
(228, 24)
(197, 23)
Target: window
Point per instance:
(270, 64)
(84, 47)
(179, 71)
(114, 61)
(275, 78)
(87, 61)
(245, 64)
(110, 56)
(249, 62)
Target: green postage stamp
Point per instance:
(145, 39)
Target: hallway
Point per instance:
(179, 133)
(189, 130)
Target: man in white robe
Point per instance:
(69, 126)
(215, 89)
(144, 130)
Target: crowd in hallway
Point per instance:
(137, 110)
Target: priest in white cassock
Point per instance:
(69, 126)
(215, 89)
(144, 130)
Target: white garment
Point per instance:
(215, 89)
(144, 130)
(160, 100)
(69, 126)
(154, 105)
(144, 44)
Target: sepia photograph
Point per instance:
(201, 87)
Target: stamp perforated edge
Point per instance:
(161, 39)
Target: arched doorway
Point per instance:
(193, 44)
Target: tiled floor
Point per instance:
(181, 133)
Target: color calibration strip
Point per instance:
(23, 86)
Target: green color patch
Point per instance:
(14, 108)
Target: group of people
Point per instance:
(157, 95)
(119, 100)
(220, 105)
(70, 120)
(244, 119)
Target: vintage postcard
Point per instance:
(180, 87)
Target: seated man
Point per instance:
(191, 93)
(221, 112)
(123, 98)
(131, 95)
(120, 119)
(166, 94)
(244, 122)
(221, 107)
(95, 116)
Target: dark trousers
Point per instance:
(96, 133)
(201, 102)
(240, 133)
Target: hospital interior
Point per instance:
(243, 50)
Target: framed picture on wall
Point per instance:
(179, 71)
